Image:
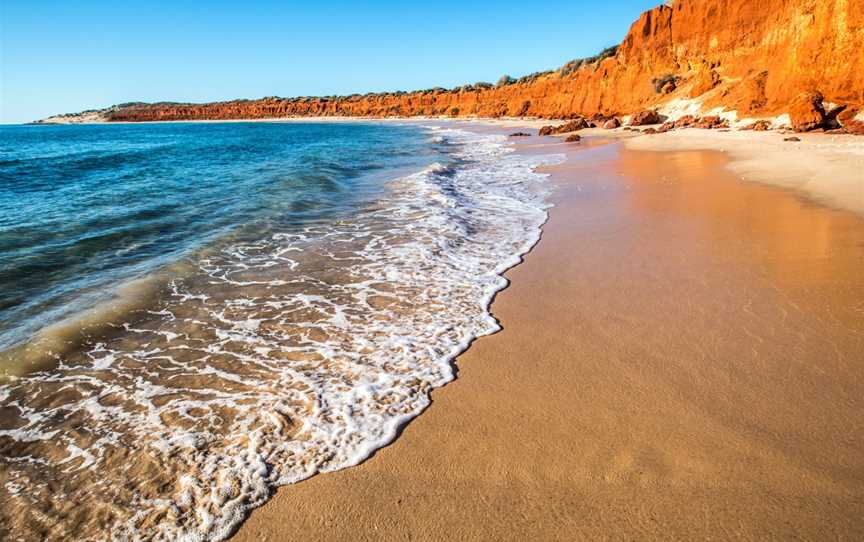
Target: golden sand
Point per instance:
(682, 358)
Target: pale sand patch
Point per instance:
(827, 168)
(681, 359)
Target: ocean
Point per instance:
(192, 314)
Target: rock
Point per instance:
(793, 138)
(709, 122)
(848, 113)
(571, 126)
(759, 126)
(645, 117)
(666, 127)
(649, 131)
(806, 112)
(854, 127)
(520, 134)
(831, 117)
(612, 124)
(685, 121)
(847, 121)
(573, 138)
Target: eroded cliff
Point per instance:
(755, 58)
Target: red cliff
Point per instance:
(756, 58)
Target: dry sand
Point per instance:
(682, 358)
(827, 168)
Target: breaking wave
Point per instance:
(271, 360)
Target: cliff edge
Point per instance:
(744, 60)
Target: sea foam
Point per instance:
(299, 353)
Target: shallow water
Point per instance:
(315, 283)
(87, 207)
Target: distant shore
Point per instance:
(678, 361)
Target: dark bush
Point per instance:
(661, 82)
(572, 66)
(504, 81)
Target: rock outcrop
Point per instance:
(806, 112)
(645, 117)
(570, 126)
(756, 58)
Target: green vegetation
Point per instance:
(574, 65)
(530, 78)
(504, 81)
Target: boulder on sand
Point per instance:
(806, 112)
(570, 126)
(759, 126)
(645, 117)
(685, 121)
(850, 124)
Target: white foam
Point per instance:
(293, 371)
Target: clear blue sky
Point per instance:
(68, 56)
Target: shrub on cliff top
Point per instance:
(482, 85)
(530, 78)
(504, 81)
(572, 66)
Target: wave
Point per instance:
(273, 360)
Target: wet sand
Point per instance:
(682, 358)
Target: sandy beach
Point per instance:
(432, 282)
(680, 359)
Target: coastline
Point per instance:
(621, 398)
(422, 297)
(798, 166)
(618, 296)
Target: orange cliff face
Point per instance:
(755, 58)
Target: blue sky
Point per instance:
(68, 56)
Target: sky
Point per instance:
(62, 57)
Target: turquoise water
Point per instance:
(199, 313)
(87, 208)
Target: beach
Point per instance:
(433, 283)
(680, 359)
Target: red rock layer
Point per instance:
(753, 57)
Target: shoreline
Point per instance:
(423, 482)
(406, 347)
(792, 165)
